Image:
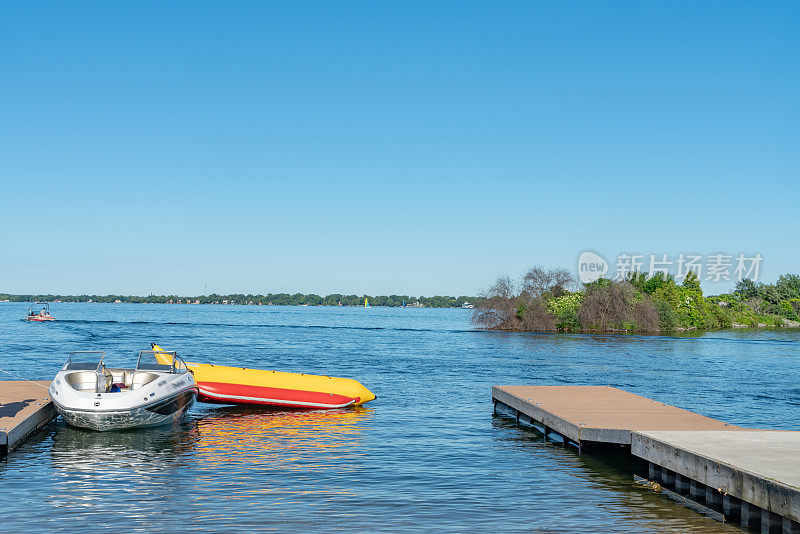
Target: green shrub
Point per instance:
(568, 322)
(730, 301)
(720, 315)
(788, 285)
(571, 302)
(746, 289)
(667, 320)
(564, 310)
(637, 279)
(787, 309)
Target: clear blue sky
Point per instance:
(408, 148)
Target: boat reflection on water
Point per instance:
(285, 457)
(254, 434)
(122, 467)
(225, 454)
(279, 437)
(140, 450)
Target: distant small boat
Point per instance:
(43, 315)
(467, 306)
(366, 303)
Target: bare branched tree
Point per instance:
(539, 282)
(503, 307)
(498, 308)
(537, 318)
(645, 316)
(606, 307)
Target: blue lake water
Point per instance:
(427, 455)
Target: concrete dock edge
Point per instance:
(745, 475)
(721, 478)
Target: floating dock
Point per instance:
(745, 475)
(25, 407)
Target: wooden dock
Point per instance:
(24, 408)
(746, 475)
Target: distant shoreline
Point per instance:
(277, 299)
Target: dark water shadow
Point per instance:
(611, 470)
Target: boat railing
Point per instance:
(45, 308)
(84, 365)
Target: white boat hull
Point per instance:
(158, 413)
(90, 395)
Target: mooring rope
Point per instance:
(23, 378)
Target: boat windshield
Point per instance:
(39, 308)
(149, 362)
(84, 361)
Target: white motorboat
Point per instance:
(90, 395)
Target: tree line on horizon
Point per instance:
(550, 300)
(275, 299)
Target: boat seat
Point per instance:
(82, 380)
(142, 378)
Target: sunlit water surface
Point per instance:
(427, 455)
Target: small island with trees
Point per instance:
(544, 300)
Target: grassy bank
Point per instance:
(546, 301)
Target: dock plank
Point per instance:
(24, 408)
(600, 414)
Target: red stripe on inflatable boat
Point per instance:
(222, 392)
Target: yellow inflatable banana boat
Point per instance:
(237, 385)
